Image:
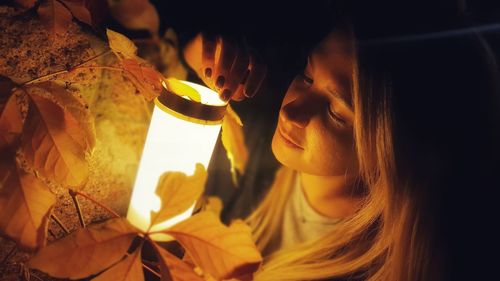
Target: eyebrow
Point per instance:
(338, 96)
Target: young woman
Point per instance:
(379, 138)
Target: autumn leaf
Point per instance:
(233, 140)
(123, 47)
(144, 77)
(136, 14)
(26, 3)
(179, 88)
(174, 269)
(86, 251)
(214, 204)
(223, 252)
(6, 86)
(178, 192)
(78, 10)
(55, 16)
(11, 120)
(54, 142)
(129, 269)
(25, 204)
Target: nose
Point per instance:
(299, 111)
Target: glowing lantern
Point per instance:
(183, 131)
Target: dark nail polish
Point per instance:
(249, 93)
(220, 81)
(208, 72)
(226, 95)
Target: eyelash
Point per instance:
(308, 80)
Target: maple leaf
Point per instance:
(86, 251)
(78, 10)
(123, 47)
(178, 192)
(25, 203)
(136, 14)
(221, 251)
(174, 269)
(129, 269)
(54, 142)
(144, 77)
(55, 16)
(233, 141)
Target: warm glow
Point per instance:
(172, 144)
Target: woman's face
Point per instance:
(315, 128)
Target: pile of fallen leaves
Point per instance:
(47, 135)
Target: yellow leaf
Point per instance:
(221, 251)
(144, 77)
(214, 204)
(25, 204)
(54, 142)
(123, 47)
(11, 120)
(136, 14)
(178, 192)
(172, 268)
(86, 251)
(129, 269)
(181, 89)
(55, 16)
(233, 140)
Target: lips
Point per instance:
(288, 139)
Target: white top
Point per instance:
(300, 221)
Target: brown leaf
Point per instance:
(55, 16)
(144, 77)
(129, 269)
(178, 192)
(136, 14)
(6, 86)
(49, 146)
(78, 10)
(214, 204)
(86, 251)
(121, 45)
(26, 3)
(25, 204)
(233, 140)
(172, 268)
(11, 120)
(223, 252)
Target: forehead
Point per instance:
(333, 62)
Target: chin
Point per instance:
(287, 157)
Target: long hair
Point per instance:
(408, 98)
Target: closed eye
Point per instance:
(306, 79)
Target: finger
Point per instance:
(208, 54)
(236, 75)
(238, 94)
(227, 56)
(258, 72)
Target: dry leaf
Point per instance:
(221, 251)
(11, 120)
(55, 16)
(233, 140)
(214, 204)
(178, 192)
(25, 204)
(172, 268)
(6, 86)
(144, 77)
(123, 47)
(51, 145)
(26, 3)
(86, 251)
(179, 88)
(78, 10)
(136, 14)
(129, 269)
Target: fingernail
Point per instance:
(208, 72)
(226, 95)
(220, 81)
(249, 93)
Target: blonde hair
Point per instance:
(384, 240)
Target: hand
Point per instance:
(226, 67)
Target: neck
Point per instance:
(333, 196)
